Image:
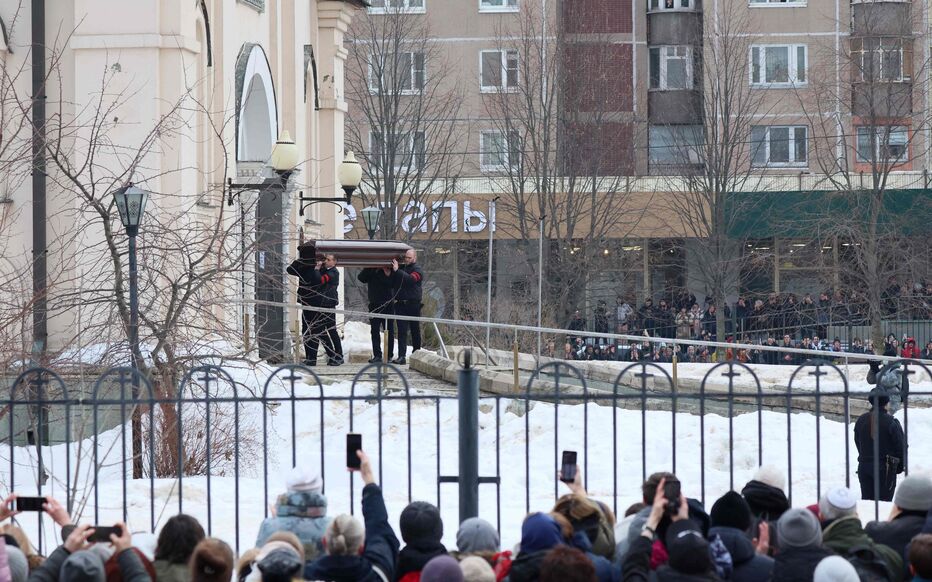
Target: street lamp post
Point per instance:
(131, 204)
(371, 215)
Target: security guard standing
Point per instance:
(880, 427)
(318, 287)
(381, 294)
(409, 278)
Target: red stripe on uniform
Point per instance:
(325, 278)
(416, 276)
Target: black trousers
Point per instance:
(887, 485)
(412, 309)
(320, 327)
(377, 324)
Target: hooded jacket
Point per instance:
(897, 534)
(766, 501)
(748, 565)
(303, 513)
(846, 533)
(798, 564)
(379, 553)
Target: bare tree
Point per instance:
(403, 117)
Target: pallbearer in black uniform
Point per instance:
(318, 286)
(381, 300)
(409, 278)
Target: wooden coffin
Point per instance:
(355, 253)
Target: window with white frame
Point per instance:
(408, 78)
(779, 145)
(653, 5)
(498, 5)
(881, 59)
(496, 153)
(882, 143)
(383, 6)
(778, 64)
(787, 3)
(675, 144)
(406, 151)
(671, 67)
(498, 70)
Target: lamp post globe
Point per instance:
(349, 174)
(371, 215)
(131, 204)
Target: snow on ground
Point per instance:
(614, 449)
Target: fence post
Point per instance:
(468, 389)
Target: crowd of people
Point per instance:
(751, 535)
(781, 320)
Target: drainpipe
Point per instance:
(40, 331)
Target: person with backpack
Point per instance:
(911, 505)
(879, 428)
(843, 533)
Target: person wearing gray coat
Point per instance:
(73, 562)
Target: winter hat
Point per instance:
(914, 494)
(420, 523)
(280, 566)
(442, 569)
(731, 510)
(211, 561)
(275, 545)
(771, 475)
(304, 479)
(689, 551)
(477, 535)
(539, 532)
(835, 569)
(112, 566)
(798, 528)
(475, 569)
(19, 566)
(83, 566)
(837, 502)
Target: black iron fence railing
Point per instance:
(219, 444)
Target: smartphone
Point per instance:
(102, 533)
(568, 467)
(29, 503)
(353, 444)
(671, 491)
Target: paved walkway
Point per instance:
(391, 381)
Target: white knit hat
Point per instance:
(771, 475)
(835, 569)
(304, 479)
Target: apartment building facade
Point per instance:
(826, 92)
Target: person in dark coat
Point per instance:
(354, 554)
(731, 519)
(409, 279)
(911, 505)
(843, 533)
(800, 549)
(72, 560)
(381, 295)
(878, 424)
(421, 530)
(318, 284)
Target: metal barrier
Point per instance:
(221, 440)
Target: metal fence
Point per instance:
(219, 443)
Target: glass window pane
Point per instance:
(891, 64)
(801, 64)
(865, 146)
(655, 68)
(676, 73)
(779, 145)
(801, 145)
(491, 69)
(758, 145)
(777, 64)
(755, 65)
(512, 68)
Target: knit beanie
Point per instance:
(442, 569)
(304, 479)
(280, 565)
(798, 528)
(420, 523)
(19, 566)
(211, 561)
(688, 550)
(771, 475)
(83, 566)
(477, 535)
(835, 569)
(475, 569)
(914, 494)
(837, 501)
(731, 510)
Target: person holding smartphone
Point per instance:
(354, 553)
(73, 561)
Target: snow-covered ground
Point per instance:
(725, 452)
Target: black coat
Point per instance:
(892, 440)
(414, 558)
(410, 280)
(526, 567)
(317, 288)
(379, 287)
(748, 565)
(798, 564)
(636, 566)
(767, 503)
(898, 533)
(381, 549)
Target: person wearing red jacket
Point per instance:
(910, 350)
